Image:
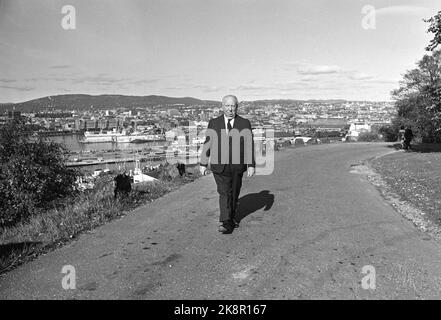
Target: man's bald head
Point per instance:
(229, 106)
(230, 97)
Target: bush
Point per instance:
(33, 174)
(368, 137)
(168, 172)
(312, 141)
(390, 134)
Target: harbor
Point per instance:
(118, 162)
(116, 156)
(121, 136)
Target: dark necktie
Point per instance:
(229, 125)
(230, 142)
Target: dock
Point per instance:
(147, 158)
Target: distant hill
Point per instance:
(285, 101)
(84, 101)
(5, 106)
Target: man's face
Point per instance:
(229, 106)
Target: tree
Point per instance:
(435, 28)
(389, 133)
(368, 136)
(33, 173)
(418, 99)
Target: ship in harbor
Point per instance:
(121, 137)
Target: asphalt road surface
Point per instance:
(308, 230)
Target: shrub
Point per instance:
(168, 172)
(33, 174)
(390, 134)
(368, 137)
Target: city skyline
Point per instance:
(206, 49)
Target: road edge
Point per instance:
(404, 208)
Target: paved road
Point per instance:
(309, 229)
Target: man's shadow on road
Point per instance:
(252, 202)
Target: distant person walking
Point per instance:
(229, 150)
(408, 136)
(401, 134)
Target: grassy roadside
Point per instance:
(415, 176)
(56, 227)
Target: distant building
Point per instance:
(356, 128)
(91, 124)
(174, 112)
(100, 124)
(328, 124)
(14, 115)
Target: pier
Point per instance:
(149, 158)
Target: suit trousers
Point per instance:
(228, 182)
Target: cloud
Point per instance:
(253, 87)
(207, 88)
(360, 76)
(308, 78)
(385, 81)
(144, 81)
(60, 66)
(202, 87)
(400, 10)
(56, 79)
(17, 88)
(100, 80)
(308, 70)
(177, 87)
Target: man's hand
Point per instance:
(251, 171)
(203, 170)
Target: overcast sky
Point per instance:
(255, 49)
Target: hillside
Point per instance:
(83, 101)
(289, 101)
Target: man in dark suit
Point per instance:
(229, 150)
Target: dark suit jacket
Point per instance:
(218, 145)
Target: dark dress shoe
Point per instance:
(236, 223)
(226, 228)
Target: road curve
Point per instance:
(308, 231)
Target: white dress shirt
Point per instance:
(226, 123)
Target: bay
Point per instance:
(73, 143)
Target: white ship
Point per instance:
(102, 136)
(121, 137)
